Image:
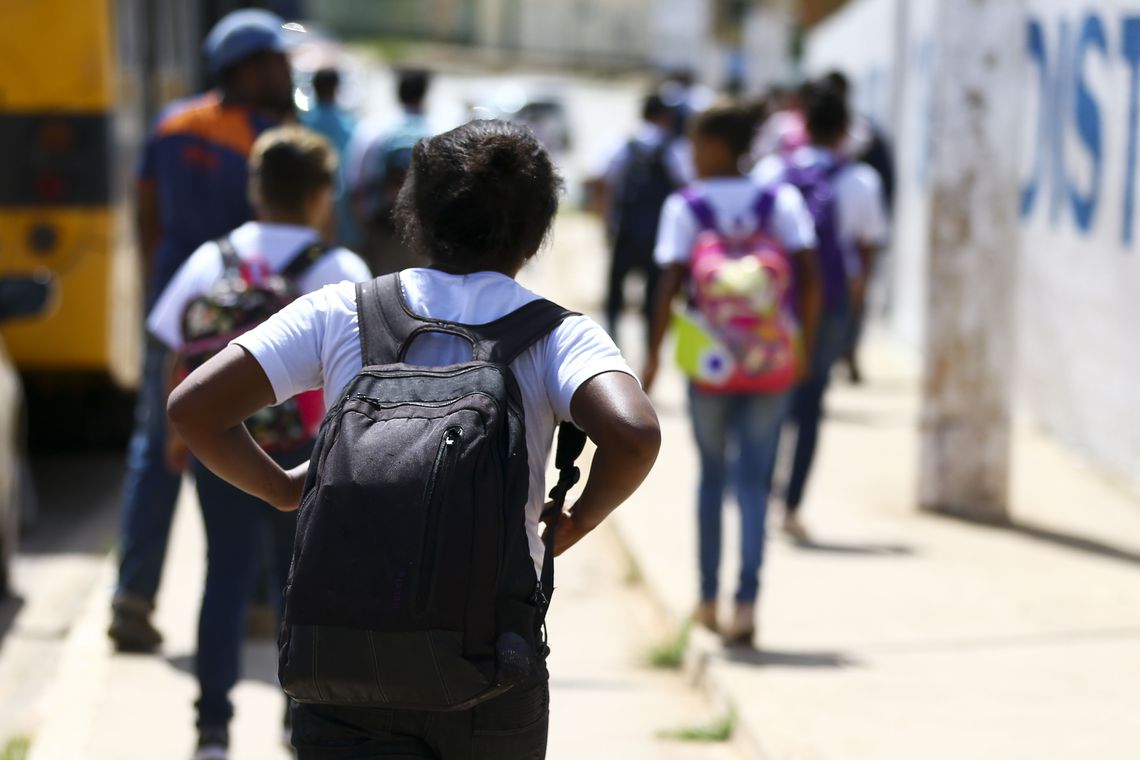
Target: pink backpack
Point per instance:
(739, 334)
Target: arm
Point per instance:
(148, 226)
(177, 455)
(672, 280)
(809, 297)
(859, 284)
(207, 410)
(618, 417)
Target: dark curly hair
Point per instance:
(482, 196)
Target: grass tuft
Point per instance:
(670, 654)
(16, 748)
(719, 730)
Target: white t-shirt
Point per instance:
(733, 202)
(862, 220)
(315, 343)
(273, 244)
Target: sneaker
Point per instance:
(131, 629)
(213, 744)
(742, 630)
(705, 616)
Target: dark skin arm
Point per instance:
(208, 408)
(670, 285)
(148, 226)
(617, 416)
(809, 297)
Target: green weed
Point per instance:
(670, 654)
(719, 730)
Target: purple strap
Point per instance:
(763, 206)
(700, 208)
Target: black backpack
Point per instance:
(412, 584)
(646, 184)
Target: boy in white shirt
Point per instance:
(291, 188)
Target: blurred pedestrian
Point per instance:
(866, 142)
(739, 249)
(192, 188)
(337, 125)
(638, 177)
(845, 199)
(480, 200)
(376, 174)
(279, 256)
(783, 130)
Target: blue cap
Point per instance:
(240, 34)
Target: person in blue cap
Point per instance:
(192, 187)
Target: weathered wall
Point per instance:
(1078, 293)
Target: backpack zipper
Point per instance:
(440, 486)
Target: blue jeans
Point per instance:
(150, 490)
(747, 426)
(241, 531)
(806, 410)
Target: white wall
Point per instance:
(1078, 358)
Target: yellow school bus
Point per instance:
(78, 81)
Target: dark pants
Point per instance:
(150, 490)
(806, 412)
(624, 262)
(511, 727)
(241, 531)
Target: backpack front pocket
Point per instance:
(438, 491)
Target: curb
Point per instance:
(699, 667)
(65, 716)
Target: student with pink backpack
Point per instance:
(741, 252)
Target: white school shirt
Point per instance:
(733, 203)
(315, 343)
(273, 244)
(861, 217)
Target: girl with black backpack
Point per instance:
(479, 201)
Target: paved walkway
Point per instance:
(899, 635)
(605, 702)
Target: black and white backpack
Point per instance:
(412, 584)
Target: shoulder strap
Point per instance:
(764, 205)
(700, 208)
(231, 259)
(388, 327)
(303, 259)
(571, 442)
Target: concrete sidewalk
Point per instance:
(898, 634)
(605, 702)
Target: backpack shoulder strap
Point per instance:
(231, 259)
(700, 207)
(303, 259)
(503, 340)
(388, 326)
(385, 325)
(765, 205)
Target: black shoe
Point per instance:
(213, 744)
(131, 629)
